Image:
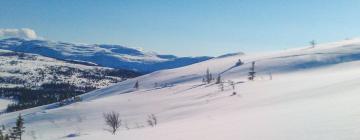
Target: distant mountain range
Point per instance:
(114, 56)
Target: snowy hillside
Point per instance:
(20, 69)
(33, 80)
(114, 56)
(298, 94)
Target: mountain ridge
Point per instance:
(114, 56)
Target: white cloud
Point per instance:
(21, 33)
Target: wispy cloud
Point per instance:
(21, 33)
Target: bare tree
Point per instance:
(112, 119)
(152, 120)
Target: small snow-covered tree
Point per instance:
(252, 72)
(18, 130)
(136, 84)
(208, 76)
(218, 79)
(112, 119)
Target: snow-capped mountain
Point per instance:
(114, 56)
(298, 94)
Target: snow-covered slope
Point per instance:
(33, 80)
(298, 94)
(114, 56)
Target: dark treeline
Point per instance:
(29, 94)
(46, 94)
(12, 80)
(28, 88)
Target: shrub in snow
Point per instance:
(112, 119)
(232, 84)
(152, 120)
(218, 79)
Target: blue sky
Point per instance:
(187, 27)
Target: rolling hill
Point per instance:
(299, 94)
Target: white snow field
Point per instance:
(314, 94)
